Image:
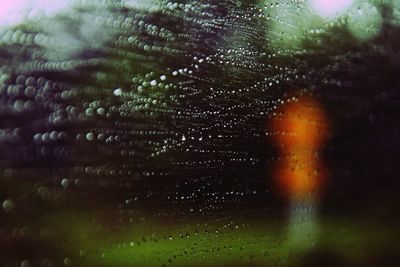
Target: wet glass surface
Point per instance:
(199, 133)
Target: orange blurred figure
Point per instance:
(299, 130)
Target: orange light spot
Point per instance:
(299, 130)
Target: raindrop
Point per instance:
(65, 183)
(8, 205)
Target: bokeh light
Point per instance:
(300, 128)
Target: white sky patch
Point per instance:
(330, 8)
(14, 12)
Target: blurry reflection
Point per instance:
(299, 130)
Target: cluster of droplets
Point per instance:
(160, 105)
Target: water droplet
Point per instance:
(8, 205)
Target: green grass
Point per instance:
(225, 244)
